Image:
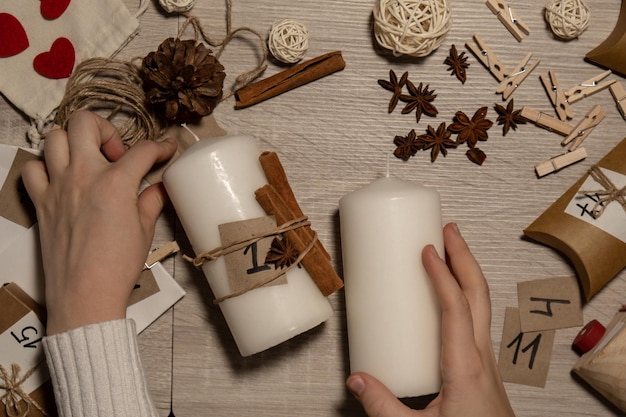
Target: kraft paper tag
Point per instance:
(549, 304)
(15, 205)
(21, 333)
(247, 267)
(145, 287)
(524, 357)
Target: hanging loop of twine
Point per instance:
(238, 245)
(244, 78)
(14, 393)
(607, 195)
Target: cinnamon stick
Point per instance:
(276, 176)
(289, 79)
(315, 261)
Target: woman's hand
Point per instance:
(472, 386)
(95, 229)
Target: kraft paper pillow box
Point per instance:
(21, 329)
(595, 245)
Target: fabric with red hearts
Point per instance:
(42, 41)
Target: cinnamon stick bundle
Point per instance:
(289, 79)
(316, 261)
(276, 176)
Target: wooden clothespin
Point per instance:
(619, 95)
(589, 87)
(559, 162)
(509, 19)
(556, 95)
(516, 77)
(582, 129)
(161, 253)
(486, 57)
(546, 121)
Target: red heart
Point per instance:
(51, 9)
(58, 62)
(13, 39)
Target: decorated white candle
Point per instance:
(392, 312)
(213, 183)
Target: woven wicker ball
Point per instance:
(288, 40)
(568, 19)
(411, 27)
(177, 6)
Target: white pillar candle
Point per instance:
(212, 183)
(393, 315)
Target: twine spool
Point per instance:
(288, 40)
(411, 27)
(177, 6)
(568, 19)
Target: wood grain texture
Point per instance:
(335, 135)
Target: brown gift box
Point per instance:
(15, 304)
(596, 255)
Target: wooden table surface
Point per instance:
(335, 135)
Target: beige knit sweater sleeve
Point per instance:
(96, 371)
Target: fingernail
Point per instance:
(455, 228)
(356, 385)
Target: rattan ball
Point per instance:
(288, 40)
(177, 6)
(568, 19)
(411, 27)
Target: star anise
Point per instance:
(437, 141)
(471, 130)
(419, 99)
(394, 86)
(407, 146)
(509, 117)
(282, 253)
(457, 63)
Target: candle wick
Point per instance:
(184, 125)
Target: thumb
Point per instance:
(375, 397)
(150, 204)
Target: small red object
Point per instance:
(58, 62)
(13, 39)
(51, 9)
(589, 336)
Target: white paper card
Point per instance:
(21, 344)
(613, 219)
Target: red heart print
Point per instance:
(58, 62)
(51, 9)
(13, 39)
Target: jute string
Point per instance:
(238, 245)
(607, 195)
(12, 384)
(114, 87)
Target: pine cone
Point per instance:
(183, 81)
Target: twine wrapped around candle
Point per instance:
(607, 195)
(238, 245)
(12, 384)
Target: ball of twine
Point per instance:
(568, 19)
(113, 89)
(288, 40)
(177, 6)
(411, 27)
